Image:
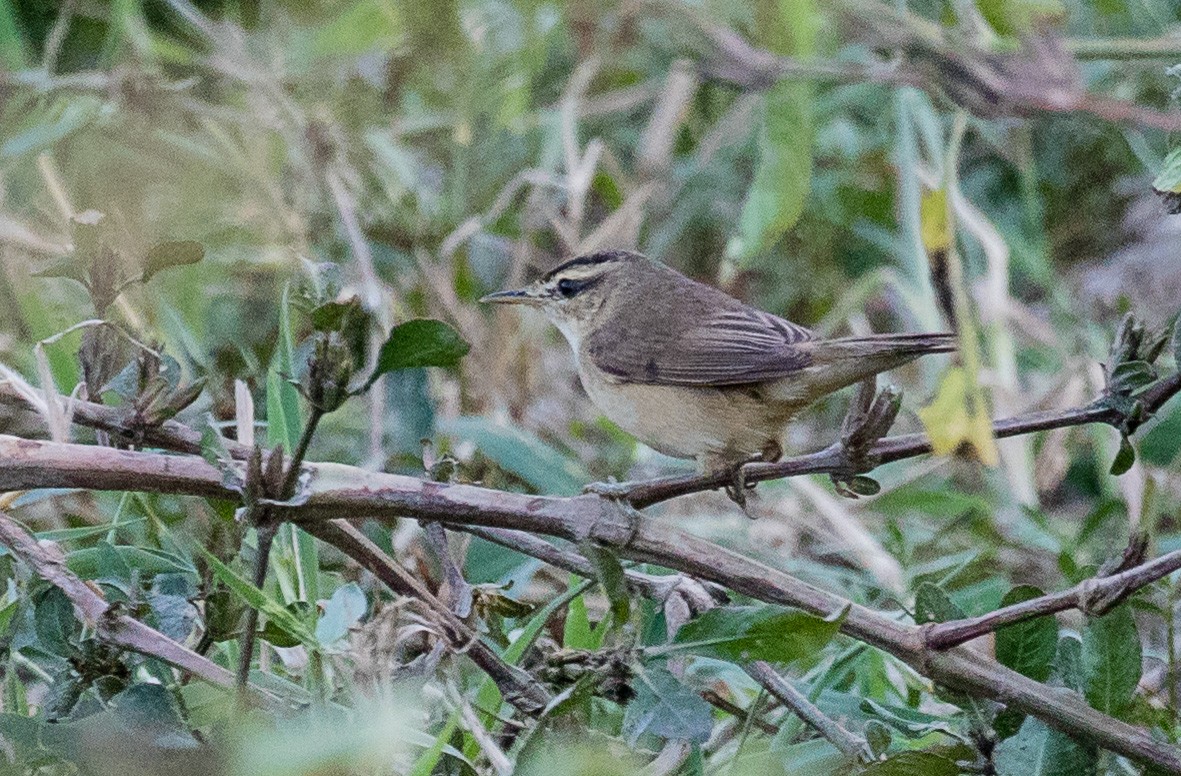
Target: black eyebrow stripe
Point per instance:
(602, 257)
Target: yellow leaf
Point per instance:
(935, 227)
(957, 420)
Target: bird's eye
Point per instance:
(568, 287)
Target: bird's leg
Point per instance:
(736, 489)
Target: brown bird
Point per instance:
(692, 372)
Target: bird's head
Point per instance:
(576, 295)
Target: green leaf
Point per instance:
(1037, 750)
(53, 622)
(783, 176)
(14, 52)
(911, 723)
(73, 267)
(1124, 458)
(171, 254)
(1111, 660)
(1176, 343)
(284, 422)
(6, 614)
(344, 610)
(85, 532)
(1027, 647)
(213, 445)
(879, 736)
(1168, 180)
(577, 632)
(426, 762)
(419, 343)
(1068, 664)
(336, 316)
(259, 600)
(1132, 376)
(352, 30)
(66, 118)
(93, 562)
(611, 579)
(741, 633)
(665, 707)
(169, 600)
(151, 708)
(1016, 18)
(280, 637)
(913, 764)
(864, 486)
(522, 454)
(933, 604)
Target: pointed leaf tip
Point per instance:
(166, 255)
(419, 343)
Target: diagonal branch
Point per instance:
(110, 627)
(518, 687)
(850, 744)
(1096, 595)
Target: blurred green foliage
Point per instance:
(243, 189)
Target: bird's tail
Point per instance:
(836, 363)
(891, 348)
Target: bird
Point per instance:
(691, 371)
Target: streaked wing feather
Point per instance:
(733, 346)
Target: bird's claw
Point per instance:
(611, 489)
(736, 489)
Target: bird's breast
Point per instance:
(687, 422)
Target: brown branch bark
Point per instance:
(336, 490)
(1097, 595)
(110, 627)
(850, 744)
(518, 687)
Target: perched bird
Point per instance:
(691, 371)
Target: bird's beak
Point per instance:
(517, 296)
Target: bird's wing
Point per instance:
(734, 345)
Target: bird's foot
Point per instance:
(617, 491)
(737, 488)
(869, 419)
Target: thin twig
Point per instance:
(1096, 595)
(459, 591)
(517, 687)
(266, 538)
(733, 709)
(847, 742)
(263, 519)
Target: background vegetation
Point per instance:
(217, 179)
